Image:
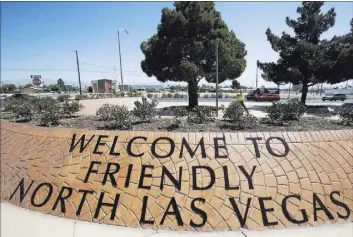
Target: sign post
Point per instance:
(36, 81)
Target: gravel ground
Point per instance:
(166, 124)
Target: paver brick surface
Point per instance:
(220, 184)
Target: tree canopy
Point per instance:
(305, 58)
(183, 49)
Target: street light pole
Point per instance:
(121, 67)
(217, 78)
(78, 71)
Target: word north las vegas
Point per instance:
(109, 177)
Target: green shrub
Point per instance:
(105, 112)
(205, 95)
(68, 109)
(199, 115)
(20, 108)
(178, 113)
(130, 94)
(220, 95)
(63, 98)
(47, 111)
(170, 95)
(122, 94)
(292, 110)
(122, 117)
(144, 112)
(234, 112)
(155, 96)
(227, 96)
(346, 114)
(83, 97)
(119, 114)
(149, 95)
(164, 95)
(213, 95)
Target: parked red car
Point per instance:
(267, 97)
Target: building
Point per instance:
(104, 86)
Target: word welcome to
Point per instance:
(219, 144)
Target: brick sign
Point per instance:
(180, 181)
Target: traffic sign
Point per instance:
(36, 81)
(36, 76)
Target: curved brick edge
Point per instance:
(317, 168)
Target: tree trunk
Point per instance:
(192, 91)
(304, 93)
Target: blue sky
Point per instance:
(40, 37)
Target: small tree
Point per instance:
(89, 89)
(235, 85)
(61, 84)
(305, 58)
(184, 47)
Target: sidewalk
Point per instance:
(19, 222)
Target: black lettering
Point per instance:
(340, 204)
(83, 199)
(50, 191)
(175, 212)
(265, 210)
(110, 173)
(111, 152)
(82, 140)
(198, 211)
(90, 170)
(143, 213)
(242, 219)
(62, 198)
(191, 152)
(128, 175)
(322, 207)
(143, 175)
(288, 215)
(217, 147)
(172, 147)
(101, 203)
(226, 180)
(256, 146)
(99, 143)
(269, 148)
(176, 183)
(128, 150)
(21, 185)
(248, 176)
(194, 177)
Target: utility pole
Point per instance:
(78, 71)
(257, 68)
(217, 78)
(289, 91)
(121, 67)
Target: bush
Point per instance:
(178, 114)
(164, 95)
(47, 111)
(199, 114)
(213, 95)
(144, 112)
(68, 109)
(234, 112)
(220, 95)
(292, 110)
(20, 108)
(105, 112)
(63, 98)
(119, 114)
(227, 96)
(149, 95)
(122, 117)
(170, 95)
(346, 114)
(82, 97)
(205, 96)
(122, 94)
